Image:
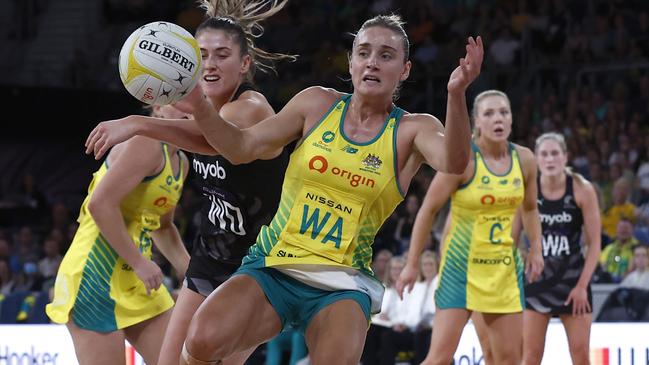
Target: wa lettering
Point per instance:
(555, 245)
(311, 222)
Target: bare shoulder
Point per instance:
(314, 102)
(526, 155)
(253, 98)
(418, 124)
(582, 186)
(148, 151)
(527, 162)
(318, 95)
(143, 146)
(421, 119)
(250, 108)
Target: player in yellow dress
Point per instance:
(481, 270)
(107, 288)
(310, 268)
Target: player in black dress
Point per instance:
(567, 205)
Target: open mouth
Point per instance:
(499, 130)
(211, 78)
(371, 79)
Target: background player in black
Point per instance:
(238, 199)
(567, 204)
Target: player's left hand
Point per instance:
(579, 298)
(469, 67)
(192, 101)
(534, 266)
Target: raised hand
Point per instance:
(107, 134)
(469, 67)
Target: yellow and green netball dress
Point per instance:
(336, 195)
(102, 291)
(481, 269)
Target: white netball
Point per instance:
(159, 63)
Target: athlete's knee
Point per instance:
(203, 342)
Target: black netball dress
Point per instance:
(561, 223)
(236, 201)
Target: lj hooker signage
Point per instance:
(44, 345)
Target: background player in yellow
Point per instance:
(481, 270)
(107, 288)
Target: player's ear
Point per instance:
(245, 64)
(406, 71)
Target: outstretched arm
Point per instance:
(450, 150)
(248, 110)
(248, 144)
(440, 189)
(183, 133)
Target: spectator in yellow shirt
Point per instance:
(621, 207)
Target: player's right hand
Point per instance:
(407, 278)
(150, 274)
(107, 134)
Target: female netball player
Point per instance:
(107, 288)
(237, 199)
(568, 204)
(481, 270)
(310, 267)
